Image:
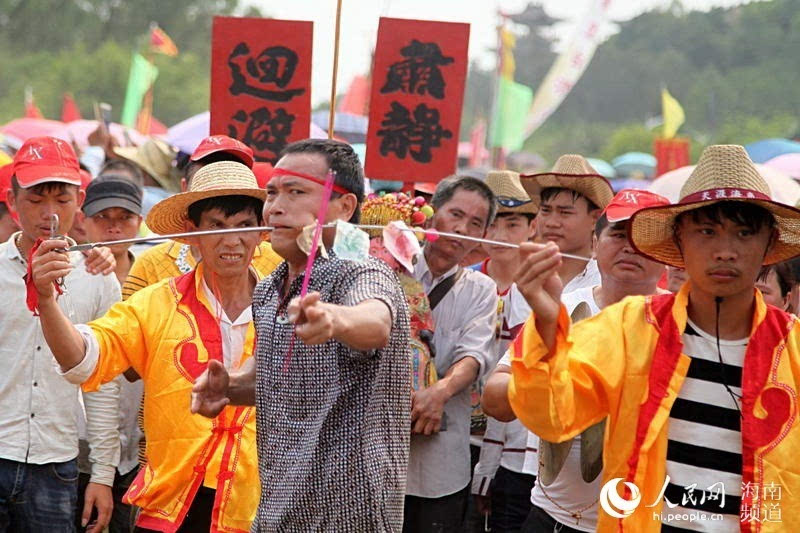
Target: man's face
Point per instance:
(7, 226)
(568, 223)
(722, 259)
(616, 258)
(113, 224)
(466, 213)
(511, 228)
(226, 255)
(771, 290)
(35, 206)
(676, 277)
(293, 202)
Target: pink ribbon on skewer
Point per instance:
(312, 253)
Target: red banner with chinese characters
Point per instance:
(670, 154)
(261, 82)
(418, 78)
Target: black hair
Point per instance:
(783, 272)
(548, 193)
(528, 216)
(229, 205)
(115, 166)
(44, 188)
(752, 216)
(447, 189)
(342, 160)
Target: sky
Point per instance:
(359, 26)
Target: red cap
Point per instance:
(628, 201)
(263, 172)
(223, 143)
(5, 180)
(45, 159)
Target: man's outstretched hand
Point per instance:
(210, 391)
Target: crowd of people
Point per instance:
(601, 361)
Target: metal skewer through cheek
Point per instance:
(154, 238)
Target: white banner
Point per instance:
(569, 66)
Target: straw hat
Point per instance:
(511, 196)
(724, 173)
(154, 157)
(225, 178)
(571, 172)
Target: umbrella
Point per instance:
(629, 183)
(78, 131)
(186, 135)
(19, 130)
(784, 189)
(763, 151)
(789, 164)
(603, 167)
(635, 163)
(347, 126)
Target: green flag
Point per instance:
(143, 75)
(508, 124)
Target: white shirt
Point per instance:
(590, 277)
(464, 325)
(504, 444)
(38, 422)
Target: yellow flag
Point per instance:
(508, 40)
(672, 113)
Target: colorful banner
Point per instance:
(508, 126)
(261, 82)
(670, 154)
(418, 79)
(569, 66)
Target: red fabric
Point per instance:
(287, 172)
(356, 99)
(207, 325)
(665, 360)
(69, 109)
(31, 111)
(32, 295)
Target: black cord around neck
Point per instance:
(736, 397)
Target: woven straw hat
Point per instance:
(511, 196)
(154, 157)
(225, 178)
(571, 172)
(724, 173)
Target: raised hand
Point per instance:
(210, 391)
(100, 260)
(538, 281)
(48, 265)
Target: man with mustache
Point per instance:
(699, 388)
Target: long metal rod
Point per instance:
(189, 234)
(153, 238)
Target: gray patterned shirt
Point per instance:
(333, 430)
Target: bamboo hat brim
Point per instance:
(571, 172)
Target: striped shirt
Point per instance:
(704, 450)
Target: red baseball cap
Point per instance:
(223, 143)
(263, 172)
(628, 201)
(45, 159)
(5, 180)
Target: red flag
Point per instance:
(69, 109)
(261, 82)
(356, 99)
(670, 154)
(31, 111)
(418, 79)
(161, 43)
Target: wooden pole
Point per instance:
(332, 114)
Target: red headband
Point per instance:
(287, 172)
